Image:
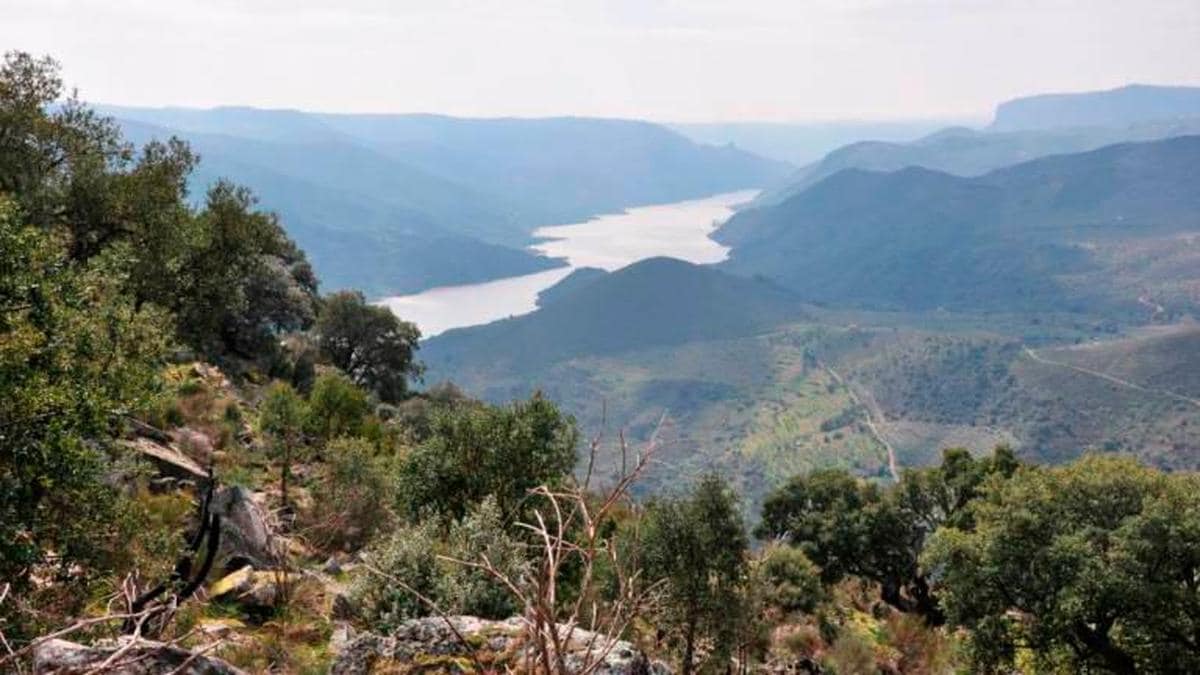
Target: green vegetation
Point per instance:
(474, 452)
(368, 343)
(697, 545)
(299, 483)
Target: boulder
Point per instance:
(430, 645)
(167, 460)
(61, 657)
(246, 538)
(256, 591)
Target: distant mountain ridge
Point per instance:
(968, 152)
(1036, 234)
(453, 199)
(1131, 104)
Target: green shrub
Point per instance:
(336, 407)
(356, 491)
(467, 590)
(407, 555)
(793, 582)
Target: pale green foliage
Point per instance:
(409, 555)
(469, 590)
(435, 567)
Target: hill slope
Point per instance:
(1052, 233)
(657, 301)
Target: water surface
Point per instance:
(679, 230)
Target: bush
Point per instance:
(793, 582)
(467, 590)
(356, 491)
(336, 407)
(408, 555)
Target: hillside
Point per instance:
(1126, 105)
(968, 152)
(427, 200)
(657, 301)
(1054, 232)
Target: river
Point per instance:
(679, 230)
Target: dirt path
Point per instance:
(1111, 378)
(872, 410)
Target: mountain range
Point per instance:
(1062, 231)
(398, 203)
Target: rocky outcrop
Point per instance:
(430, 645)
(60, 657)
(168, 460)
(246, 537)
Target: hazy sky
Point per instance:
(693, 60)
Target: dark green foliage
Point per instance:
(75, 355)
(477, 451)
(697, 546)
(229, 274)
(368, 343)
(245, 281)
(791, 581)
(851, 527)
(1090, 566)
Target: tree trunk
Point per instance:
(689, 649)
(1100, 643)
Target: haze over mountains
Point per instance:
(398, 203)
(929, 285)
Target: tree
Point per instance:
(368, 343)
(336, 407)
(75, 357)
(1087, 566)
(357, 486)
(281, 415)
(245, 281)
(474, 451)
(228, 273)
(851, 527)
(697, 544)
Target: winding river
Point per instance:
(679, 230)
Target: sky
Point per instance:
(668, 60)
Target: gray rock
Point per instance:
(499, 643)
(145, 658)
(246, 538)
